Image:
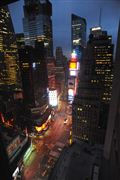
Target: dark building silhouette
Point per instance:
(111, 162)
(78, 34)
(91, 104)
(59, 57)
(37, 24)
(34, 74)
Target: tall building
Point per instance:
(111, 162)
(34, 74)
(61, 71)
(78, 34)
(9, 66)
(37, 24)
(91, 104)
(59, 57)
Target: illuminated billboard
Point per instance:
(73, 65)
(53, 98)
(73, 73)
(73, 55)
(70, 98)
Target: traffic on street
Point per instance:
(48, 146)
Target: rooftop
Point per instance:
(77, 162)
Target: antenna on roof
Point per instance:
(100, 17)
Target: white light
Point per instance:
(53, 98)
(96, 28)
(70, 92)
(74, 55)
(73, 73)
(76, 41)
(16, 172)
(70, 98)
(34, 65)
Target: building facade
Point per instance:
(78, 34)
(59, 57)
(34, 74)
(9, 65)
(111, 162)
(91, 105)
(37, 24)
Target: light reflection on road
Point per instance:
(37, 167)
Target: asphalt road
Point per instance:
(48, 148)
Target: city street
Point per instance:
(48, 147)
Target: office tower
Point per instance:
(91, 104)
(59, 57)
(37, 24)
(78, 34)
(101, 50)
(111, 162)
(20, 40)
(34, 74)
(9, 69)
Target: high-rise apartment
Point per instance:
(78, 34)
(37, 24)
(9, 68)
(91, 104)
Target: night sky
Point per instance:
(62, 9)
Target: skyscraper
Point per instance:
(59, 57)
(111, 162)
(9, 69)
(34, 74)
(61, 70)
(91, 105)
(78, 34)
(37, 24)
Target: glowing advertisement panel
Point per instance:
(73, 65)
(73, 73)
(70, 92)
(74, 55)
(53, 98)
(70, 98)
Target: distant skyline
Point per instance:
(62, 10)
